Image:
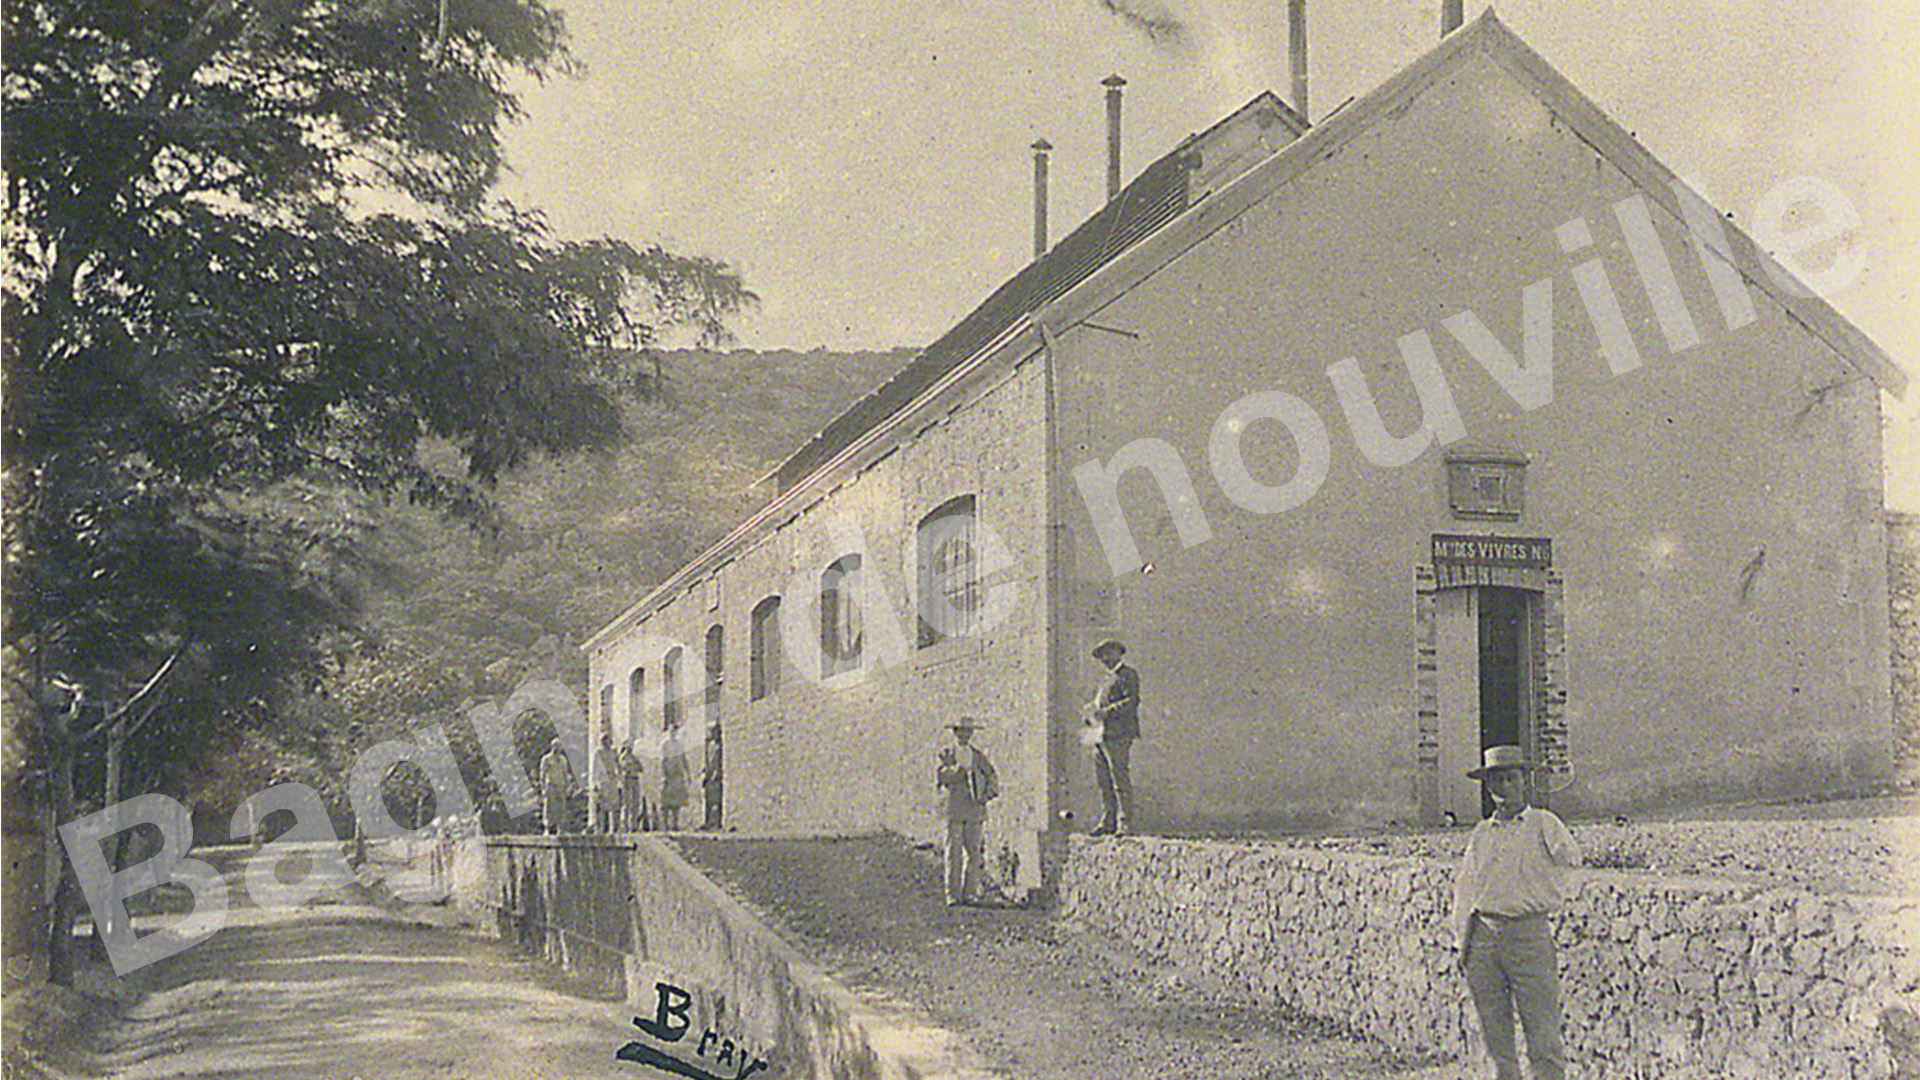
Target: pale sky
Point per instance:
(865, 163)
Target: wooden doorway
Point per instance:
(1486, 640)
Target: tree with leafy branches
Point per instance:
(252, 263)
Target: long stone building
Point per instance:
(1454, 419)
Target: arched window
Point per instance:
(606, 708)
(670, 687)
(636, 698)
(841, 628)
(716, 655)
(764, 656)
(950, 593)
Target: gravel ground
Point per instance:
(1035, 996)
(340, 989)
(1865, 847)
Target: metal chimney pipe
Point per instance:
(1040, 148)
(1451, 16)
(1113, 83)
(1297, 40)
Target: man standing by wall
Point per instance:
(1513, 875)
(712, 781)
(603, 795)
(1116, 711)
(556, 789)
(632, 812)
(673, 778)
(970, 783)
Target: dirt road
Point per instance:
(345, 990)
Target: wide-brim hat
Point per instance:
(1109, 646)
(968, 723)
(1495, 758)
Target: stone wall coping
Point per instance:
(1302, 853)
(632, 840)
(1276, 846)
(588, 841)
(764, 835)
(740, 919)
(1648, 881)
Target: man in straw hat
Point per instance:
(1115, 714)
(970, 783)
(1514, 873)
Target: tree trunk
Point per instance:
(60, 748)
(110, 797)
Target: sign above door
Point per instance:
(1532, 553)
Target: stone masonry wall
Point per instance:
(1670, 977)
(1903, 596)
(628, 914)
(856, 750)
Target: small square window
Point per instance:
(1487, 488)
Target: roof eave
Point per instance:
(810, 486)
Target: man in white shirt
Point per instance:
(1513, 875)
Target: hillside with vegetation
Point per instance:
(459, 612)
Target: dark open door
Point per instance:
(1506, 635)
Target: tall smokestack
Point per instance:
(1297, 41)
(1040, 148)
(1451, 16)
(1113, 83)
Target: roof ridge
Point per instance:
(1488, 35)
(1156, 195)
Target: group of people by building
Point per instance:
(1513, 876)
(968, 781)
(616, 796)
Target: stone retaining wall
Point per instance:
(1664, 977)
(1903, 601)
(629, 913)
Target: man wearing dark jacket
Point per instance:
(712, 781)
(970, 784)
(1117, 712)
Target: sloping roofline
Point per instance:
(1161, 192)
(1158, 194)
(1488, 36)
(1626, 153)
(1123, 269)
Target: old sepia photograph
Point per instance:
(960, 540)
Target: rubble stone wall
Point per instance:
(1903, 596)
(1674, 977)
